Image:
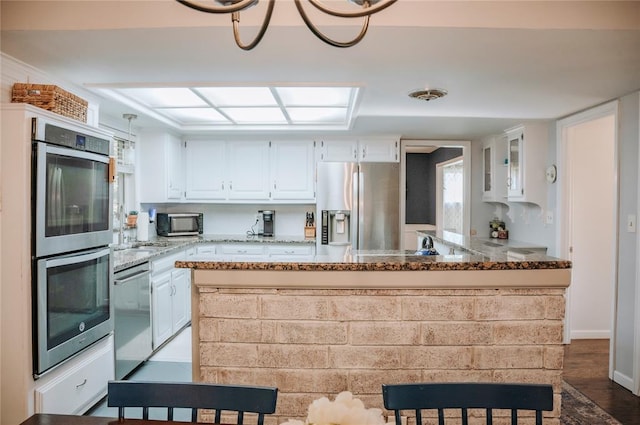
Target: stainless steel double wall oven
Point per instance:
(71, 233)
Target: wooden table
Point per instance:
(49, 419)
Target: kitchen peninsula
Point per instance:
(319, 327)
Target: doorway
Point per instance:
(418, 206)
(587, 200)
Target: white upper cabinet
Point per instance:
(292, 170)
(338, 150)
(248, 170)
(379, 150)
(160, 167)
(205, 169)
(363, 150)
(527, 155)
(494, 169)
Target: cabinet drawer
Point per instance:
(290, 250)
(242, 250)
(205, 249)
(74, 389)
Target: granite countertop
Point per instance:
(384, 261)
(495, 249)
(140, 252)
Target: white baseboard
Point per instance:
(605, 334)
(623, 380)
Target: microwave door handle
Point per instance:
(74, 259)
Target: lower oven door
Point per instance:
(73, 305)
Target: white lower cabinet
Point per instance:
(241, 252)
(170, 297)
(79, 383)
(291, 252)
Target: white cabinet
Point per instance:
(338, 150)
(364, 150)
(170, 297)
(77, 384)
(291, 252)
(248, 170)
(160, 167)
(494, 169)
(180, 303)
(292, 170)
(205, 170)
(161, 306)
(383, 150)
(241, 252)
(527, 155)
(205, 249)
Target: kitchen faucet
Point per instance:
(427, 242)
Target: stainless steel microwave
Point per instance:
(179, 224)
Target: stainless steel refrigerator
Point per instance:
(357, 207)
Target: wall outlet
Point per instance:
(631, 223)
(548, 218)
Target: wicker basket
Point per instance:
(52, 98)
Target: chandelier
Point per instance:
(368, 8)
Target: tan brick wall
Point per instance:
(315, 343)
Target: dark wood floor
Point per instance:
(586, 366)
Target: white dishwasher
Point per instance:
(132, 318)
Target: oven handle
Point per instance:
(127, 279)
(75, 153)
(75, 259)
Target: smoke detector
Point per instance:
(428, 94)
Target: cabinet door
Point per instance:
(292, 170)
(175, 177)
(205, 170)
(379, 150)
(339, 150)
(515, 149)
(494, 169)
(180, 298)
(160, 167)
(161, 322)
(487, 170)
(248, 170)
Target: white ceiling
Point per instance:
(502, 62)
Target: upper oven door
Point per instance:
(72, 200)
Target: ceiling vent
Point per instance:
(428, 94)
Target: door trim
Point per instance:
(562, 202)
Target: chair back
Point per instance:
(464, 396)
(194, 396)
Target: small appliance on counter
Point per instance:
(179, 224)
(498, 229)
(266, 225)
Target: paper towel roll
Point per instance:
(143, 226)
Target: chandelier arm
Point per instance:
(326, 39)
(263, 29)
(241, 5)
(367, 9)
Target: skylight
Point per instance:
(212, 107)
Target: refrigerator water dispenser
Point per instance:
(336, 227)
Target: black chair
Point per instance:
(194, 396)
(466, 396)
